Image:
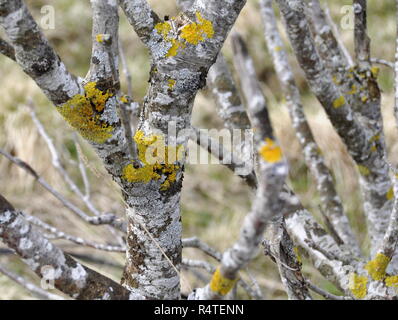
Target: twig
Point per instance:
(325, 294)
(78, 240)
(42, 294)
(225, 156)
(109, 219)
(198, 244)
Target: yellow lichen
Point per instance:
(99, 38)
(175, 46)
(377, 267)
(157, 160)
(195, 32)
(339, 102)
(390, 194)
(172, 83)
(363, 170)
(221, 285)
(83, 113)
(353, 89)
(297, 253)
(375, 138)
(192, 33)
(364, 99)
(358, 285)
(373, 149)
(278, 48)
(375, 71)
(270, 151)
(124, 99)
(163, 28)
(392, 281)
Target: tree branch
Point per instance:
(7, 49)
(70, 277)
(330, 201)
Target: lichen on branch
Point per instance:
(191, 33)
(83, 113)
(158, 161)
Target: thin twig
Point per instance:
(40, 293)
(109, 219)
(57, 234)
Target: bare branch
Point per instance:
(42, 294)
(338, 37)
(383, 62)
(327, 45)
(324, 293)
(97, 220)
(196, 243)
(281, 249)
(228, 102)
(267, 204)
(141, 16)
(226, 157)
(362, 41)
(34, 54)
(104, 67)
(7, 49)
(71, 277)
(331, 202)
(57, 234)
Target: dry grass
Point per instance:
(214, 201)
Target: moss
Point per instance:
(158, 161)
(270, 151)
(339, 102)
(358, 285)
(83, 113)
(392, 281)
(377, 267)
(220, 284)
(192, 33)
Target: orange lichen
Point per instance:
(83, 112)
(270, 151)
(221, 285)
(377, 267)
(358, 285)
(158, 161)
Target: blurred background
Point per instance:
(214, 200)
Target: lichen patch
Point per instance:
(83, 113)
(270, 151)
(158, 161)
